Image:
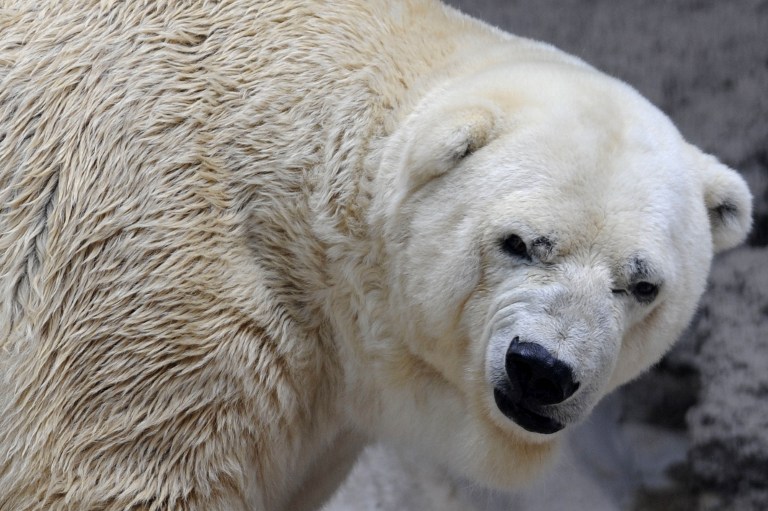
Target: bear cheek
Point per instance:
(432, 309)
(646, 341)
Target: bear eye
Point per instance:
(515, 246)
(645, 292)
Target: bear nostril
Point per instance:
(537, 377)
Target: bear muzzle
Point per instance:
(534, 380)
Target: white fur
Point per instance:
(238, 235)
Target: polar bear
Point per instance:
(239, 239)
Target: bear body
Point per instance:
(239, 239)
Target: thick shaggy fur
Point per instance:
(163, 164)
(186, 252)
(176, 178)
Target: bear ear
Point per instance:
(728, 201)
(443, 138)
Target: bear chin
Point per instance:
(489, 463)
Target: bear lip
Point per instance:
(524, 417)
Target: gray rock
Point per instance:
(729, 426)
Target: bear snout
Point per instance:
(535, 379)
(540, 378)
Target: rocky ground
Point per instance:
(693, 433)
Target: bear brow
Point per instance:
(542, 247)
(639, 268)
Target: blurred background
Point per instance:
(692, 434)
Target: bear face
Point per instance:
(549, 234)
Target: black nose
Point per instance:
(536, 377)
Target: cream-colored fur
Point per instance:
(236, 235)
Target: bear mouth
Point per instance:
(524, 416)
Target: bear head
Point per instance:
(548, 234)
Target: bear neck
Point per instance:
(307, 159)
(303, 144)
(304, 150)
